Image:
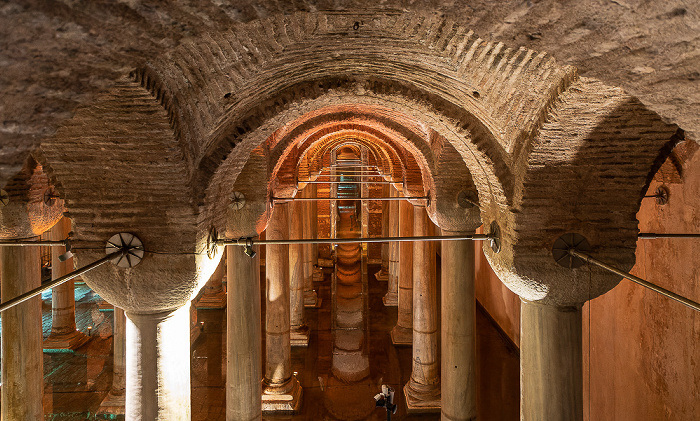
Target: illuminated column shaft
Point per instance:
(213, 296)
(63, 332)
(114, 402)
(243, 339)
(458, 374)
(281, 391)
(551, 362)
(158, 366)
(383, 274)
(310, 296)
(22, 357)
(392, 298)
(299, 330)
(423, 389)
(402, 333)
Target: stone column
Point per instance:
(391, 299)
(22, 359)
(383, 274)
(214, 296)
(458, 374)
(158, 366)
(403, 331)
(318, 272)
(281, 390)
(299, 331)
(64, 335)
(422, 391)
(114, 402)
(243, 339)
(551, 372)
(310, 296)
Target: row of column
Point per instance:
(155, 378)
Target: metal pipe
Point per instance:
(250, 241)
(58, 281)
(354, 199)
(663, 291)
(347, 182)
(29, 243)
(651, 235)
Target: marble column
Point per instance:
(243, 339)
(551, 362)
(64, 335)
(318, 272)
(383, 274)
(391, 299)
(158, 366)
(22, 357)
(402, 334)
(310, 297)
(458, 373)
(281, 390)
(114, 402)
(299, 331)
(422, 391)
(213, 294)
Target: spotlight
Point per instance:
(385, 399)
(248, 248)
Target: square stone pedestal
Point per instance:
(112, 404)
(285, 403)
(391, 299)
(382, 276)
(311, 300)
(420, 403)
(400, 336)
(299, 337)
(211, 301)
(65, 343)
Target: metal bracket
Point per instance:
(129, 243)
(237, 200)
(662, 194)
(561, 247)
(4, 198)
(466, 200)
(495, 234)
(50, 197)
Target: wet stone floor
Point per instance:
(76, 383)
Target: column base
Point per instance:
(401, 336)
(299, 337)
(391, 299)
(112, 404)
(287, 401)
(318, 275)
(65, 343)
(311, 299)
(382, 275)
(422, 401)
(212, 301)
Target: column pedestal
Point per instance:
(64, 335)
(243, 339)
(114, 402)
(402, 334)
(551, 363)
(281, 390)
(158, 366)
(422, 391)
(458, 374)
(22, 359)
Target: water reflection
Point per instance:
(350, 389)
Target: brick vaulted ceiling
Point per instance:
(148, 116)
